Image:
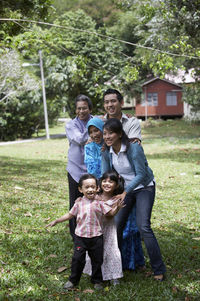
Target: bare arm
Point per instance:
(61, 219)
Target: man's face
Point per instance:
(112, 106)
(82, 110)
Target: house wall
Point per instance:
(161, 87)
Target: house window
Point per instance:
(152, 99)
(171, 99)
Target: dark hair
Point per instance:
(115, 125)
(113, 91)
(85, 98)
(114, 176)
(86, 177)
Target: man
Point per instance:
(113, 102)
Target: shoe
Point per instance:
(114, 282)
(98, 286)
(68, 285)
(159, 277)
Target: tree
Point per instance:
(76, 59)
(19, 98)
(104, 12)
(35, 10)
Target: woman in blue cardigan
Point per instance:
(129, 161)
(132, 253)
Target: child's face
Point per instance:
(95, 134)
(108, 186)
(89, 188)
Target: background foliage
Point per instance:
(147, 38)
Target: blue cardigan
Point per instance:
(139, 164)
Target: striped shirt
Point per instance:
(89, 216)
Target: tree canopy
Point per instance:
(118, 43)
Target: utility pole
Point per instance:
(44, 96)
(146, 103)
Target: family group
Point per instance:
(111, 192)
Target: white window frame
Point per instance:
(171, 99)
(152, 99)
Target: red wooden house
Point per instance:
(161, 98)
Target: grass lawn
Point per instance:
(33, 191)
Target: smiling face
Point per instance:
(95, 134)
(113, 106)
(112, 139)
(108, 186)
(82, 110)
(89, 188)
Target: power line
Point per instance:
(101, 35)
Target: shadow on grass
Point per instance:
(32, 174)
(35, 266)
(32, 262)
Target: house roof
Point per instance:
(182, 76)
(158, 78)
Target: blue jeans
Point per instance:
(143, 199)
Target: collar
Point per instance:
(122, 149)
(123, 116)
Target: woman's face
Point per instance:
(111, 138)
(95, 134)
(82, 110)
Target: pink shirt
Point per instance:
(89, 216)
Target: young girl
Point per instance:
(89, 211)
(110, 185)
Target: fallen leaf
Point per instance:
(77, 299)
(7, 232)
(28, 214)
(29, 289)
(106, 289)
(88, 291)
(61, 269)
(18, 188)
(52, 256)
(196, 238)
(174, 289)
(198, 271)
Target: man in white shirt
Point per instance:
(113, 103)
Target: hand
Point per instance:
(134, 140)
(120, 204)
(89, 140)
(103, 148)
(129, 115)
(52, 224)
(120, 196)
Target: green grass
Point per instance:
(33, 191)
